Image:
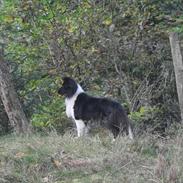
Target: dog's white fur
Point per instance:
(69, 102)
(82, 129)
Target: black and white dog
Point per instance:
(83, 108)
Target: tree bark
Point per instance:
(10, 100)
(178, 67)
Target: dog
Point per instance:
(83, 108)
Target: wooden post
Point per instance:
(178, 67)
(10, 100)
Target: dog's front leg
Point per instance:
(81, 128)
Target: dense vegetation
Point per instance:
(118, 49)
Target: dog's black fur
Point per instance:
(87, 108)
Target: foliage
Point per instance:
(118, 49)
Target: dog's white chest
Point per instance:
(69, 102)
(70, 107)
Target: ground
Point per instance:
(54, 158)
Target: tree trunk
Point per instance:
(10, 100)
(178, 67)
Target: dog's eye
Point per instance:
(68, 87)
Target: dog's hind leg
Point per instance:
(130, 133)
(81, 128)
(115, 131)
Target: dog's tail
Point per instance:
(123, 122)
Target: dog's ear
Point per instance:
(66, 78)
(63, 79)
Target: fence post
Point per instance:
(178, 67)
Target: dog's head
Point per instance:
(69, 87)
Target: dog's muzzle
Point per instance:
(61, 91)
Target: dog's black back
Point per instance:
(110, 113)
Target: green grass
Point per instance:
(64, 159)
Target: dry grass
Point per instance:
(64, 159)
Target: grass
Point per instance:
(65, 159)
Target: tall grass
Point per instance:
(64, 159)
